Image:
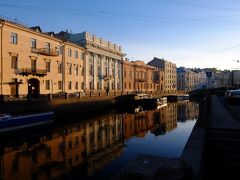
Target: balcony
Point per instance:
(29, 71)
(140, 80)
(45, 51)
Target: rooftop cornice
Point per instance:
(91, 44)
(27, 29)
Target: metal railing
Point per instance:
(29, 71)
(45, 51)
(140, 80)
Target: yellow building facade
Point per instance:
(34, 63)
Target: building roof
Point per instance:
(183, 69)
(36, 28)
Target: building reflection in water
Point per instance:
(88, 146)
(187, 110)
(157, 121)
(91, 144)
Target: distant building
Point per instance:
(236, 77)
(201, 79)
(224, 79)
(211, 77)
(170, 73)
(186, 79)
(219, 78)
(139, 77)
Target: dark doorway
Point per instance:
(33, 88)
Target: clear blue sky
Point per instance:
(189, 33)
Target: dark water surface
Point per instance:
(99, 147)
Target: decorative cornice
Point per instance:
(13, 54)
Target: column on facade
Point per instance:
(116, 73)
(95, 71)
(119, 75)
(90, 65)
(113, 74)
(102, 68)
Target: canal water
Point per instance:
(98, 148)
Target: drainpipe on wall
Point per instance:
(52, 85)
(122, 75)
(2, 22)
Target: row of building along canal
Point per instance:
(98, 147)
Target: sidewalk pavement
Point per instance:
(220, 117)
(222, 144)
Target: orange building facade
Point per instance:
(139, 77)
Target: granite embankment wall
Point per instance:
(193, 153)
(63, 108)
(71, 107)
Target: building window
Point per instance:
(91, 70)
(99, 70)
(82, 72)
(60, 68)
(76, 85)
(14, 62)
(113, 86)
(106, 62)
(69, 85)
(90, 85)
(48, 66)
(47, 45)
(76, 54)
(98, 61)
(60, 50)
(125, 74)
(69, 53)
(47, 83)
(118, 86)
(70, 69)
(130, 86)
(59, 85)
(113, 72)
(130, 74)
(14, 38)
(33, 43)
(76, 70)
(118, 73)
(81, 55)
(82, 85)
(34, 65)
(99, 85)
(106, 71)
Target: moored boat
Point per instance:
(10, 123)
(150, 103)
(175, 98)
